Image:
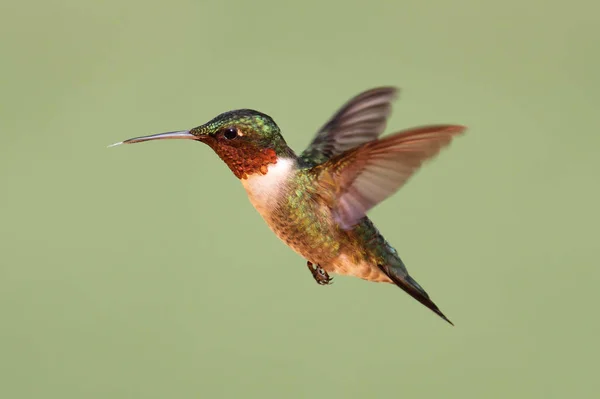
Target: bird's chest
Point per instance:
(267, 192)
(292, 214)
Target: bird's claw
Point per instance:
(319, 274)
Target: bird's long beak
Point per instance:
(181, 135)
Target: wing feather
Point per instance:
(366, 175)
(360, 120)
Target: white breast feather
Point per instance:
(264, 190)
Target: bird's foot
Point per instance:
(319, 274)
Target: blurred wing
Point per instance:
(360, 120)
(365, 176)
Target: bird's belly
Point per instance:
(318, 242)
(323, 250)
(365, 270)
(311, 238)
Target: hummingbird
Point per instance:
(317, 202)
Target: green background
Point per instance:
(144, 272)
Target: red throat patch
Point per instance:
(246, 161)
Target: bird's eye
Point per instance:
(230, 133)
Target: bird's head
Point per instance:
(247, 141)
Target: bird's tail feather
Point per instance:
(402, 279)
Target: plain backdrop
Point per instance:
(144, 272)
